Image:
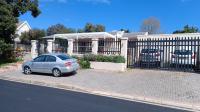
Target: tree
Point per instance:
(100, 28)
(89, 27)
(35, 34)
(187, 29)
(7, 22)
(125, 30)
(151, 25)
(59, 29)
(10, 10)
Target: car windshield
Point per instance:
(64, 57)
(149, 50)
(183, 52)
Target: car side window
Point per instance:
(51, 59)
(40, 59)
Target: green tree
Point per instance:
(7, 22)
(125, 30)
(151, 25)
(10, 10)
(100, 28)
(89, 27)
(35, 34)
(187, 29)
(59, 29)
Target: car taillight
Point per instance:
(68, 64)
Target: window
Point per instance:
(64, 57)
(149, 50)
(50, 59)
(183, 52)
(40, 59)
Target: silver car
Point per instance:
(56, 64)
(183, 57)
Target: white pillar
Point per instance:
(49, 46)
(34, 52)
(70, 47)
(124, 47)
(95, 46)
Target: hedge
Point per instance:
(85, 60)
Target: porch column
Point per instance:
(49, 46)
(34, 52)
(124, 47)
(95, 46)
(70, 47)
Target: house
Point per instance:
(22, 26)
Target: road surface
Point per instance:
(18, 97)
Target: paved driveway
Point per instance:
(163, 86)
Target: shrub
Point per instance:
(102, 58)
(89, 57)
(85, 64)
(119, 59)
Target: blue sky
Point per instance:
(117, 14)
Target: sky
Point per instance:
(116, 14)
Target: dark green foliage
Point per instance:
(59, 29)
(85, 60)
(187, 29)
(6, 51)
(102, 58)
(22, 6)
(85, 64)
(125, 30)
(89, 27)
(7, 22)
(10, 10)
(118, 59)
(35, 34)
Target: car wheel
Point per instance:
(27, 70)
(56, 72)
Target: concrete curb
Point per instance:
(140, 99)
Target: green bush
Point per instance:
(85, 64)
(102, 58)
(84, 61)
(119, 59)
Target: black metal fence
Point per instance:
(60, 46)
(82, 46)
(109, 47)
(181, 53)
(41, 46)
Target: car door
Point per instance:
(37, 64)
(50, 62)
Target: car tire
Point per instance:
(56, 72)
(27, 70)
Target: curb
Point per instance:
(107, 94)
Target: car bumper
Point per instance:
(69, 69)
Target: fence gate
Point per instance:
(60, 45)
(42, 46)
(169, 53)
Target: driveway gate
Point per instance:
(169, 53)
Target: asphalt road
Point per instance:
(18, 97)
